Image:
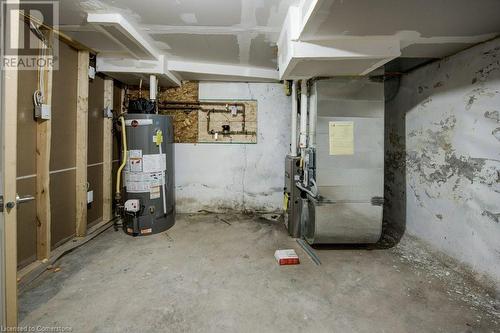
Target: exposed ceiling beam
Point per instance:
(121, 31)
(337, 56)
(206, 30)
(236, 72)
(134, 67)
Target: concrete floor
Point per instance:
(217, 273)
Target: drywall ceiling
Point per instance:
(240, 32)
(241, 36)
(426, 28)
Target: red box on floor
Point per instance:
(287, 257)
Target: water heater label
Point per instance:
(134, 161)
(137, 187)
(154, 192)
(143, 182)
(154, 163)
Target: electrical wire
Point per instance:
(38, 95)
(299, 185)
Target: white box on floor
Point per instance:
(287, 257)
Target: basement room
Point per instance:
(250, 166)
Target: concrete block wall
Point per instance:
(443, 157)
(221, 177)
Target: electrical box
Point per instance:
(90, 196)
(132, 205)
(91, 72)
(43, 111)
(108, 112)
(92, 65)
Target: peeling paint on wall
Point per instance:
(445, 117)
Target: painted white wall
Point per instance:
(219, 177)
(446, 115)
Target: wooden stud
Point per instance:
(82, 110)
(107, 151)
(43, 133)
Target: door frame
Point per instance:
(2, 222)
(8, 159)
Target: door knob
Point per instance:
(24, 199)
(12, 204)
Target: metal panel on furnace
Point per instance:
(350, 177)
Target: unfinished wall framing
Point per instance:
(33, 237)
(107, 154)
(82, 109)
(51, 152)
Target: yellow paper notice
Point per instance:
(341, 135)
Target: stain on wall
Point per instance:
(443, 156)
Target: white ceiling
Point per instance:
(243, 34)
(426, 28)
(214, 31)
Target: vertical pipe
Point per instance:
(153, 87)
(303, 116)
(163, 181)
(303, 129)
(293, 147)
(313, 111)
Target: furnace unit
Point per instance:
(349, 162)
(339, 187)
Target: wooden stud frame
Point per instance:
(43, 138)
(82, 109)
(107, 151)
